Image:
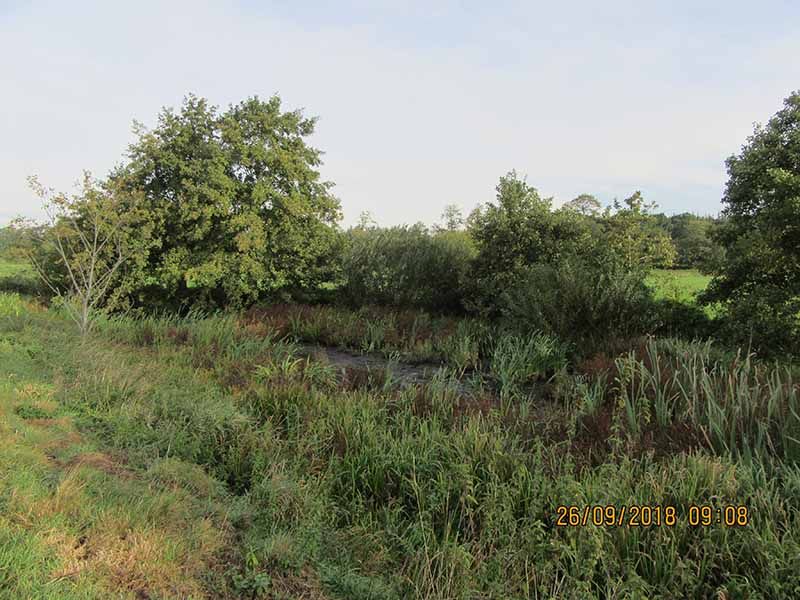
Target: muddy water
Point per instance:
(402, 374)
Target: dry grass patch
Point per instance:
(101, 462)
(148, 562)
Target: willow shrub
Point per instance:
(407, 267)
(580, 303)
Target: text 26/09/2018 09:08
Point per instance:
(651, 516)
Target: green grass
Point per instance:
(682, 285)
(77, 521)
(18, 276)
(204, 457)
(12, 268)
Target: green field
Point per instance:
(678, 284)
(11, 268)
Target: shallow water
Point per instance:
(402, 374)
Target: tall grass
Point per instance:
(423, 491)
(744, 408)
(517, 361)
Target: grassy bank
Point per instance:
(207, 457)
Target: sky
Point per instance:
(420, 104)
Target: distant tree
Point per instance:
(13, 239)
(452, 218)
(366, 220)
(694, 244)
(633, 237)
(585, 204)
(759, 278)
(7, 238)
(235, 204)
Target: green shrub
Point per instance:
(520, 229)
(583, 304)
(516, 360)
(406, 267)
(679, 319)
(770, 328)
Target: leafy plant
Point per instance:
(517, 361)
(584, 303)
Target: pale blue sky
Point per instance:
(421, 104)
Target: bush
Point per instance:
(769, 327)
(517, 230)
(22, 283)
(406, 267)
(584, 304)
(679, 319)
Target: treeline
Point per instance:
(695, 246)
(694, 239)
(12, 242)
(223, 209)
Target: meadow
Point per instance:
(682, 285)
(227, 456)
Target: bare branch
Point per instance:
(84, 234)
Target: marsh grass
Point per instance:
(517, 361)
(414, 336)
(284, 482)
(744, 408)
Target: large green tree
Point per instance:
(759, 279)
(236, 206)
(518, 230)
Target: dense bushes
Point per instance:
(516, 231)
(675, 318)
(584, 303)
(764, 321)
(406, 267)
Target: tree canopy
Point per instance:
(759, 278)
(520, 229)
(234, 203)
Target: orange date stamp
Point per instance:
(652, 516)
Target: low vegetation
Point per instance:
(210, 456)
(257, 404)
